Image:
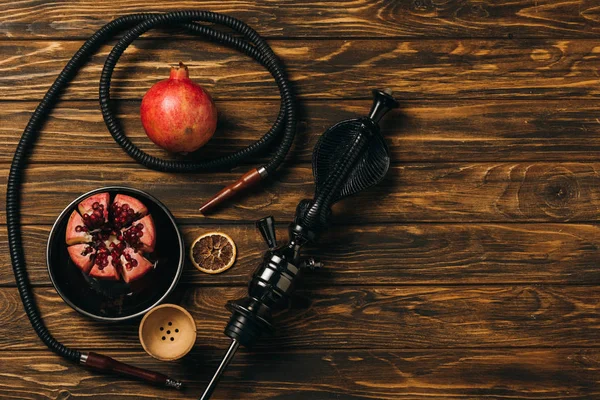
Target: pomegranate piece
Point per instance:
(77, 231)
(125, 210)
(134, 265)
(95, 208)
(105, 268)
(82, 256)
(141, 235)
(178, 114)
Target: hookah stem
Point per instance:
(135, 25)
(224, 363)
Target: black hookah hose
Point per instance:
(135, 25)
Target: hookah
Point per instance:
(348, 158)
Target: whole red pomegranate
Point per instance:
(177, 114)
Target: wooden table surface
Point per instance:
(471, 272)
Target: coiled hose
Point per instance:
(249, 43)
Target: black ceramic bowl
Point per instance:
(109, 300)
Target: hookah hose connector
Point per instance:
(100, 362)
(245, 182)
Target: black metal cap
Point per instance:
(266, 226)
(382, 103)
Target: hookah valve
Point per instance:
(349, 157)
(266, 227)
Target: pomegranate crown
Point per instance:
(180, 71)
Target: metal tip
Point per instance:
(172, 383)
(212, 385)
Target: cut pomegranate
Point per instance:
(82, 256)
(134, 265)
(108, 240)
(77, 231)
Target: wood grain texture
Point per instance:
(348, 318)
(481, 130)
(414, 254)
(334, 69)
(440, 192)
(470, 272)
(340, 374)
(324, 18)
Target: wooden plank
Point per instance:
(555, 130)
(352, 375)
(414, 254)
(325, 18)
(360, 317)
(334, 69)
(440, 192)
(349, 318)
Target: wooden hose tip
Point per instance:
(245, 182)
(104, 363)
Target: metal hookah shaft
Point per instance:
(349, 157)
(212, 385)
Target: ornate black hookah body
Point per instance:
(349, 157)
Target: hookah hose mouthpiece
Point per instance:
(132, 26)
(348, 158)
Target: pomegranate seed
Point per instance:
(125, 206)
(86, 217)
(78, 228)
(140, 226)
(134, 263)
(95, 205)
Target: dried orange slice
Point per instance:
(213, 252)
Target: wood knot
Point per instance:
(553, 192)
(559, 191)
(423, 5)
(470, 10)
